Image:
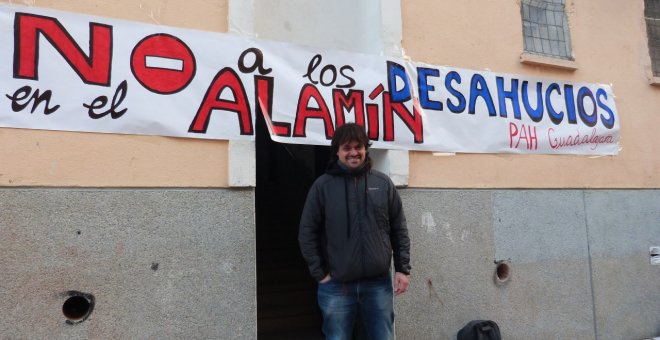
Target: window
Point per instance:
(652, 16)
(545, 28)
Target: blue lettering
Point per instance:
(588, 119)
(608, 122)
(460, 107)
(424, 88)
(395, 70)
(555, 117)
(535, 114)
(570, 104)
(478, 88)
(502, 95)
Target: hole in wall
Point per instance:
(502, 272)
(77, 307)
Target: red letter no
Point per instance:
(94, 69)
(163, 64)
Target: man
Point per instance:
(351, 227)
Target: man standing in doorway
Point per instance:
(351, 227)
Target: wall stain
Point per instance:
(433, 294)
(428, 223)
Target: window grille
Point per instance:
(652, 16)
(545, 28)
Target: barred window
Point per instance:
(652, 16)
(545, 28)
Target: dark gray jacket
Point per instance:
(352, 225)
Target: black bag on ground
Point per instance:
(480, 330)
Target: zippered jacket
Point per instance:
(352, 226)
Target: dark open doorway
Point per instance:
(286, 294)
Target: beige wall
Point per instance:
(609, 44)
(53, 158)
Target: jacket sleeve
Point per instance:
(398, 233)
(310, 233)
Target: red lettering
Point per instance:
(528, 133)
(307, 93)
(513, 131)
(372, 116)
(264, 88)
(94, 69)
(533, 142)
(594, 139)
(163, 63)
(225, 79)
(553, 141)
(353, 100)
(412, 120)
(523, 135)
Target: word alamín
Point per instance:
(94, 68)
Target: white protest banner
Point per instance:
(74, 72)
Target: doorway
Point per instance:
(286, 293)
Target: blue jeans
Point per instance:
(341, 301)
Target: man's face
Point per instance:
(352, 154)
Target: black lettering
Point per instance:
(257, 64)
(101, 102)
(19, 102)
(331, 70)
(313, 64)
(351, 81)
